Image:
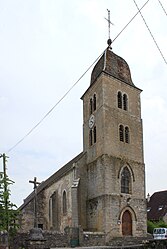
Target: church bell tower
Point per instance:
(113, 143)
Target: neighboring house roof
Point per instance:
(157, 206)
(53, 178)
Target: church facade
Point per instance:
(103, 188)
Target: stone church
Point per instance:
(101, 190)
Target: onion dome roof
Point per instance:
(112, 65)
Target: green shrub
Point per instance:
(150, 226)
(153, 224)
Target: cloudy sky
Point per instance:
(45, 46)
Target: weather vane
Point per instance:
(109, 41)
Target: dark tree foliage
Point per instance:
(155, 224)
(8, 211)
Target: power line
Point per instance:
(131, 20)
(151, 33)
(47, 114)
(162, 7)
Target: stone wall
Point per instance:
(55, 239)
(68, 239)
(92, 239)
(3, 240)
(52, 239)
(19, 241)
(87, 239)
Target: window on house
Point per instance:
(160, 207)
(91, 106)
(148, 209)
(94, 102)
(121, 133)
(64, 202)
(119, 100)
(94, 134)
(125, 102)
(127, 134)
(125, 181)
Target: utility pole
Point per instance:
(5, 183)
(6, 196)
(35, 201)
(5, 188)
(9, 216)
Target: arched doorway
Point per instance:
(126, 223)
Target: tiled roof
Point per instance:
(53, 178)
(157, 206)
(113, 65)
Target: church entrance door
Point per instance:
(126, 223)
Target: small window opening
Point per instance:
(94, 134)
(74, 172)
(125, 102)
(121, 133)
(50, 209)
(127, 134)
(91, 137)
(40, 226)
(119, 96)
(91, 106)
(94, 102)
(64, 202)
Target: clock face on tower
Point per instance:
(91, 121)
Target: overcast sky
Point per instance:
(45, 46)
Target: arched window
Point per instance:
(119, 100)
(125, 181)
(127, 135)
(94, 102)
(53, 211)
(125, 102)
(94, 134)
(91, 106)
(50, 210)
(90, 137)
(64, 202)
(121, 133)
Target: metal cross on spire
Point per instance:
(109, 41)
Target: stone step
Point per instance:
(127, 241)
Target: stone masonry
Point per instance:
(102, 190)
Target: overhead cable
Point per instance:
(162, 7)
(131, 20)
(47, 114)
(151, 33)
